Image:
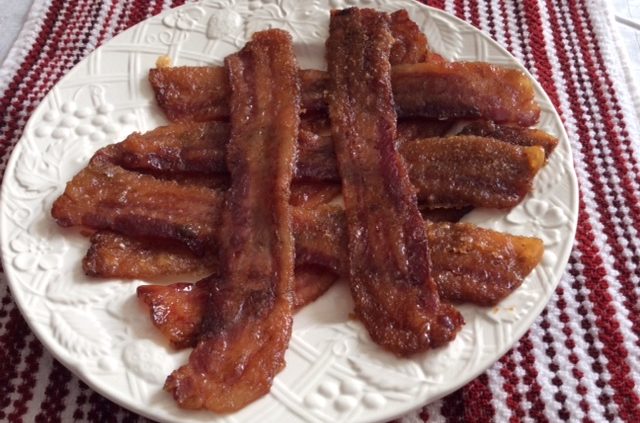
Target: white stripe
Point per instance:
(435, 412)
(498, 394)
(449, 6)
(545, 375)
(42, 381)
(516, 49)
(498, 23)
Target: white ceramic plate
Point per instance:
(334, 373)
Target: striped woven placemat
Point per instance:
(581, 358)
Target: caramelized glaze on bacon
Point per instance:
(106, 196)
(516, 135)
(457, 249)
(393, 291)
(409, 43)
(183, 147)
(437, 89)
(465, 90)
(467, 170)
(115, 255)
(198, 93)
(447, 172)
(247, 325)
(321, 242)
(178, 309)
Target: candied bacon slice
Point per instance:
(448, 172)
(183, 147)
(106, 196)
(115, 255)
(437, 89)
(394, 294)
(465, 90)
(470, 265)
(516, 135)
(178, 309)
(94, 198)
(198, 93)
(466, 170)
(196, 148)
(410, 44)
(247, 327)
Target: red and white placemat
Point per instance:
(580, 360)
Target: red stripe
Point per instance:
(458, 7)
(543, 68)
(13, 341)
(530, 379)
(592, 351)
(608, 327)
(453, 407)
(477, 401)
(107, 23)
(550, 351)
(613, 139)
(605, 314)
(506, 29)
(28, 378)
(523, 36)
(55, 394)
(514, 399)
(491, 22)
(137, 12)
(474, 13)
(440, 4)
(424, 414)
(157, 8)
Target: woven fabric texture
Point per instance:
(580, 361)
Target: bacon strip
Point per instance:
(438, 90)
(516, 135)
(394, 294)
(449, 172)
(178, 309)
(469, 264)
(249, 313)
(410, 44)
(105, 196)
(484, 265)
(469, 170)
